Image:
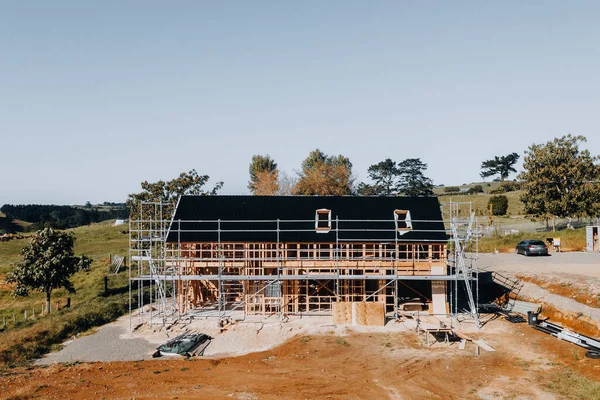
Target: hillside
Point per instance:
(12, 226)
(480, 200)
(89, 306)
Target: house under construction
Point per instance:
(234, 256)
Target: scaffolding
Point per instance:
(464, 233)
(171, 279)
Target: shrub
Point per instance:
(476, 189)
(451, 189)
(510, 186)
(499, 204)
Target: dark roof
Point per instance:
(287, 208)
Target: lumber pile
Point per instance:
(359, 313)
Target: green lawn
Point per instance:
(89, 306)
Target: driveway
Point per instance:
(582, 264)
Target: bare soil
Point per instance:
(583, 290)
(361, 365)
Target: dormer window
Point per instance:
(402, 221)
(323, 220)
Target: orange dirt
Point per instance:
(577, 323)
(358, 366)
(580, 294)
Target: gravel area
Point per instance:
(581, 264)
(107, 344)
(115, 342)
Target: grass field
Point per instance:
(89, 306)
(480, 201)
(571, 240)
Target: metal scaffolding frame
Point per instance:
(156, 266)
(464, 234)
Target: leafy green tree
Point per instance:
(499, 204)
(559, 179)
(48, 263)
(325, 175)
(451, 189)
(412, 180)
(476, 189)
(364, 189)
(263, 175)
(385, 175)
(501, 166)
(187, 183)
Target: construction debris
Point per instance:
(187, 344)
(514, 318)
(483, 344)
(591, 344)
(478, 343)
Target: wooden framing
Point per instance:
(297, 295)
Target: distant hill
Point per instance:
(38, 216)
(480, 200)
(9, 225)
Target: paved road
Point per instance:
(583, 264)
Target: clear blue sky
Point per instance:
(96, 97)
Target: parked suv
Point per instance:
(532, 247)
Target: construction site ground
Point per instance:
(311, 358)
(341, 363)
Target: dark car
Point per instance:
(532, 247)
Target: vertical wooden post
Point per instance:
(25, 315)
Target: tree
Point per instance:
(325, 175)
(48, 263)
(412, 180)
(559, 179)
(187, 183)
(364, 189)
(266, 183)
(502, 166)
(385, 175)
(499, 204)
(263, 175)
(285, 184)
(475, 189)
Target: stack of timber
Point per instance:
(359, 313)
